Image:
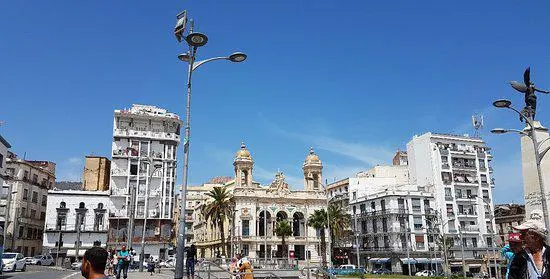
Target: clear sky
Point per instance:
(355, 80)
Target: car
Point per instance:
(28, 260)
(41, 260)
(382, 271)
(425, 273)
(347, 266)
(76, 265)
(13, 262)
(170, 262)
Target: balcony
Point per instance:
(467, 213)
(469, 229)
(448, 198)
(445, 166)
(466, 198)
(146, 134)
(443, 151)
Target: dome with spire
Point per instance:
(312, 158)
(243, 153)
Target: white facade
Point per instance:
(457, 170)
(4, 191)
(61, 224)
(144, 137)
(376, 179)
(398, 221)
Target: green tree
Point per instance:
(283, 230)
(318, 221)
(339, 223)
(218, 209)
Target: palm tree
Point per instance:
(283, 230)
(218, 209)
(318, 221)
(339, 222)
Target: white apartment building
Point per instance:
(377, 178)
(456, 169)
(26, 185)
(66, 210)
(396, 229)
(144, 138)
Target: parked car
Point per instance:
(41, 260)
(425, 273)
(76, 265)
(347, 266)
(13, 262)
(382, 271)
(28, 260)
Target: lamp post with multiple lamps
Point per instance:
(507, 104)
(194, 40)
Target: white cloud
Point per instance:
(75, 161)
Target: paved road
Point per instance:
(42, 272)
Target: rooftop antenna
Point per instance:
(477, 122)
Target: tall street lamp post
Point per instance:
(194, 40)
(152, 168)
(503, 103)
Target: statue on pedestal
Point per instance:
(528, 88)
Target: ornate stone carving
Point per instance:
(279, 186)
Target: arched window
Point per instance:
(100, 205)
(62, 205)
(81, 205)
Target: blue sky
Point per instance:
(355, 80)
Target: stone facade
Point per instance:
(28, 182)
(506, 217)
(258, 208)
(96, 173)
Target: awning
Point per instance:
(408, 260)
(72, 252)
(473, 265)
(422, 260)
(383, 260)
(373, 260)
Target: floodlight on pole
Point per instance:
(499, 131)
(196, 39)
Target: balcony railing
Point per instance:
(149, 134)
(470, 229)
(448, 198)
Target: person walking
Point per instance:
(190, 262)
(514, 246)
(94, 262)
(124, 259)
(534, 261)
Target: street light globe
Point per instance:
(185, 57)
(502, 103)
(196, 39)
(499, 131)
(237, 57)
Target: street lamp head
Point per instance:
(237, 57)
(185, 57)
(196, 39)
(499, 131)
(502, 103)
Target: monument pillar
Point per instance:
(531, 187)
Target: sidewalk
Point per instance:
(164, 273)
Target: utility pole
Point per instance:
(78, 224)
(131, 211)
(357, 241)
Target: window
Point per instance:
(34, 197)
(474, 242)
(61, 220)
(42, 215)
(21, 231)
(26, 175)
(133, 169)
(383, 205)
(419, 241)
(481, 163)
(1, 160)
(354, 195)
(246, 228)
(417, 222)
(363, 226)
(24, 211)
(98, 221)
(44, 200)
(401, 204)
(374, 229)
(80, 221)
(415, 205)
(354, 209)
(81, 205)
(33, 213)
(25, 194)
(489, 242)
(373, 206)
(427, 207)
(62, 205)
(486, 194)
(458, 193)
(141, 208)
(362, 208)
(450, 211)
(464, 242)
(29, 233)
(35, 178)
(385, 224)
(483, 178)
(448, 193)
